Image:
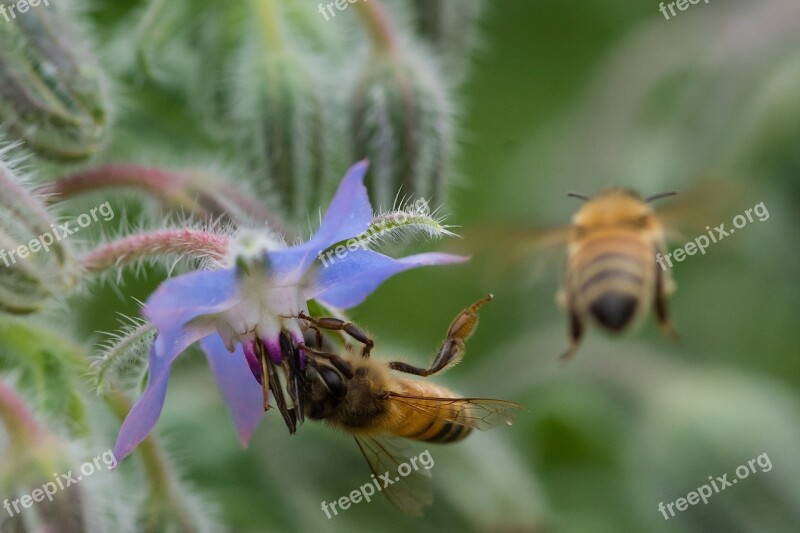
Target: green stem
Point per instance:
(155, 466)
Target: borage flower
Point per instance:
(245, 313)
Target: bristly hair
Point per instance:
(659, 196)
(579, 196)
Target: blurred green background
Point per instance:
(559, 96)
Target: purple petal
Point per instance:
(144, 414)
(239, 388)
(348, 282)
(252, 360)
(348, 215)
(179, 300)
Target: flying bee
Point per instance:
(615, 270)
(365, 398)
(612, 276)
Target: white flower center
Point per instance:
(266, 308)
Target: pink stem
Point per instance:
(191, 242)
(171, 187)
(160, 182)
(378, 24)
(19, 420)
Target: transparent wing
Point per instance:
(527, 253)
(709, 202)
(410, 494)
(478, 413)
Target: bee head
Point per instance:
(325, 388)
(616, 208)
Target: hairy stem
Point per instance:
(19, 420)
(377, 22)
(155, 465)
(194, 243)
(174, 188)
(166, 185)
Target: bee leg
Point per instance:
(660, 305)
(340, 364)
(452, 349)
(317, 335)
(310, 325)
(576, 334)
(335, 324)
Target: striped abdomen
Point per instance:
(431, 419)
(611, 276)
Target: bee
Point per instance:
(365, 398)
(612, 277)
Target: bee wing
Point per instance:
(523, 251)
(525, 239)
(411, 493)
(709, 202)
(478, 413)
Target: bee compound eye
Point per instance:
(333, 382)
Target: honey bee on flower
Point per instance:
(244, 313)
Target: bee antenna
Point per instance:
(579, 196)
(660, 196)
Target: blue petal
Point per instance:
(239, 388)
(179, 300)
(346, 283)
(144, 414)
(348, 215)
(350, 212)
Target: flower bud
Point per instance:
(34, 262)
(452, 30)
(279, 104)
(402, 123)
(52, 93)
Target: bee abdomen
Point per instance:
(453, 432)
(614, 310)
(438, 422)
(442, 432)
(611, 281)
